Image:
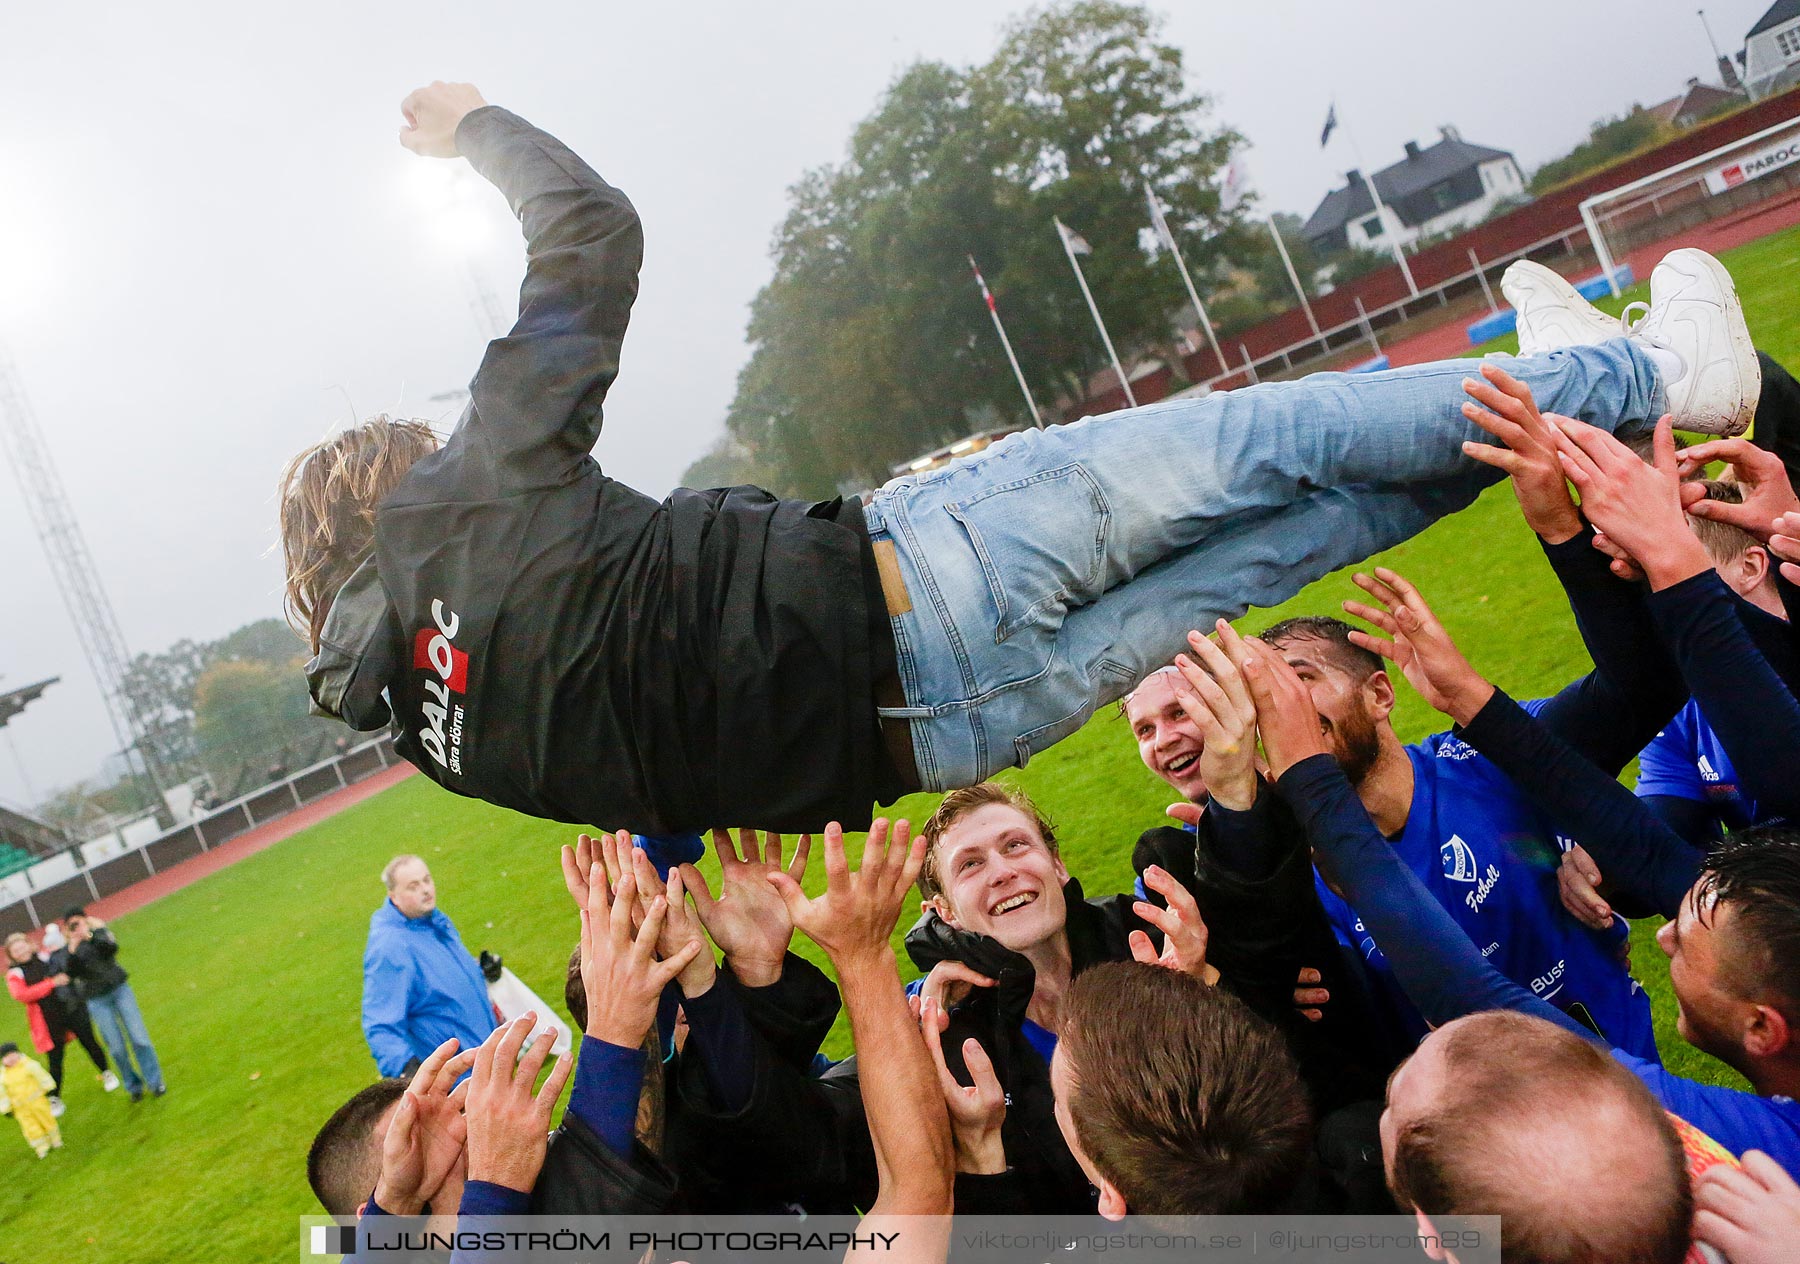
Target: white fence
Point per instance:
(108, 865)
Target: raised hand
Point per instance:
(1529, 457)
(1418, 645)
(1285, 715)
(1760, 475)
(1184, 931)
(432, 115)
(749, 921)
(855, 918)
(578, 863)
(619, 972)
(425, 1134)
(508, 1124)
(1639, 506)
(1214, 695)
(680, 926)
(977, 1110)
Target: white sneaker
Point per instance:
(56, 1107)
(1551, 314)
(108, 1080)
(1695, 314)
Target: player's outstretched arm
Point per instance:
(535, 402)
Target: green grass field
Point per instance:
(250, 980)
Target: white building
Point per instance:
(1771, 55)
(1448, 187)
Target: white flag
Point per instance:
(1074, 241)
(1158, 219)
(1235, 188)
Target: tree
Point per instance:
(250, 718)
(1608, 140)
(869, 344)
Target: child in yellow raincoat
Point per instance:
(25, 1092)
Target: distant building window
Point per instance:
(1371, 227)
(1444, 197)
(1788, 41)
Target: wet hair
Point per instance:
(1345, 654)
(329, 494)
(1181, 1097)
(1529, 1113)
(958, 804)
(1757, 872)
(344, 1161)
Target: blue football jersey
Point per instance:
(1686, 761)
(1490, 860)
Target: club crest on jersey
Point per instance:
(1459, 860)
(447, 671)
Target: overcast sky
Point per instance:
(212, 250)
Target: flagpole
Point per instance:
(1281, 248)
(1161, 223)
(1062, 230)
(1006, 342)
(1381, 210)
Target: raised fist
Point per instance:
(432, 114)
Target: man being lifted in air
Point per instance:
(550, 640)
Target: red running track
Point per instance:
(211, 861)
(1447, 342)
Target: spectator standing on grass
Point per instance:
(104, 985)
(420, 985)
(40, 982)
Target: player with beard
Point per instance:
(1474, 839)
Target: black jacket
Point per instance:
(94, 966)
(552, 641)
(1262, 931)
(1043, 1177)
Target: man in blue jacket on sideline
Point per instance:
(420, 985)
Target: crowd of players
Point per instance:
(1359, 976)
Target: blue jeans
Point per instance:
(122, 1028)
(1050, 573)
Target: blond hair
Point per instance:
(958, 804)
(329, 494)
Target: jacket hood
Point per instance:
(356, 657)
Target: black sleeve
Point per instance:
(583, 1177)
(1610, 713)
(535, 402)
(794, 1138)
(1750, 708)
(1641, 858)
(1250, 844)
(1695, 821)
(795, 1013)
(1005, 1193)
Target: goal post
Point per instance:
(1686, 194)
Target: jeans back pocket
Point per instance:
(1041, 542)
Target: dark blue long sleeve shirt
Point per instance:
(1447, 977)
